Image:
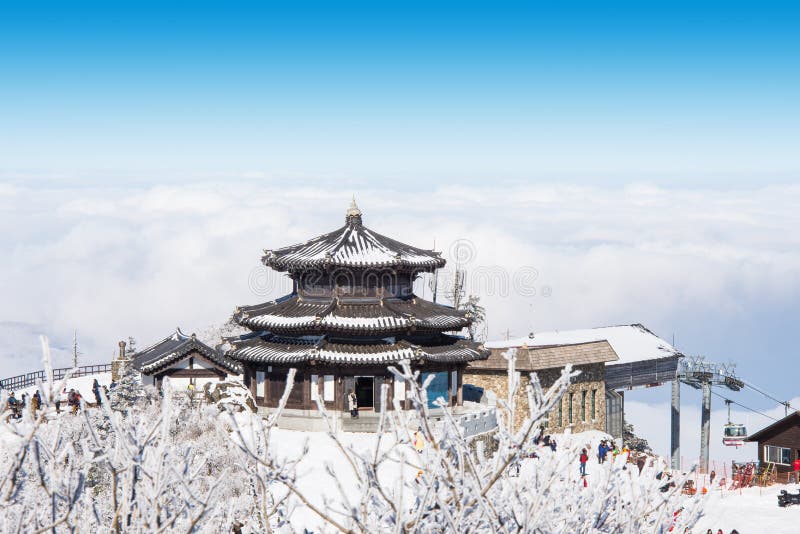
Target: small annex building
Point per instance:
(779, 444)
(185, 360)
(582, 407)
(641, 359)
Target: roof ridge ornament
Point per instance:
(353, 215)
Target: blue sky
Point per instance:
(642, 156)
(591, 92)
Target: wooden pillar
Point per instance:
(460, 386)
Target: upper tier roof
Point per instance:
(352, 245)
(175, 348)
(351, 316)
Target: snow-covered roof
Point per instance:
(175, 348)
(632, 343)
(353, 245)
(280, 350)
(367, 315)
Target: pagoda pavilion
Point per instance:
(351, 314)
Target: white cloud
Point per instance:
(127, 260)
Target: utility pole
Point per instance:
(75, 349)
(705, 427)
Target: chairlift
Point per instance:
(733, 434)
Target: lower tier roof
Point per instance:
(281, 350)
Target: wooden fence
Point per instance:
(31, 379)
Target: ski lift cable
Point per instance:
(743, 406)
(756, 388)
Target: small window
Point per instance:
(777, 455)
(583, 405)
(594, 404)
(399, 389)
(569, 408)
(561, 412)
(328, 389)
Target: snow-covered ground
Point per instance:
(750, 511)
(81, 384)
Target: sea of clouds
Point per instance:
(704, 265)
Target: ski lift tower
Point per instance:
(700, 374)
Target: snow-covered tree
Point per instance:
(168, 467)
(128, 391)
(632, 441)
(477, 312)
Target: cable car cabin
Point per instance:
(733, 435)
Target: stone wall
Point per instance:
(592, 378)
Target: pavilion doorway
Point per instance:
(365, 392)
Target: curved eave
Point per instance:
(294, 316)
(287, 351)
(352, 246)
(166, 360)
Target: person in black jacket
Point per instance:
(96, 391)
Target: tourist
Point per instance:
(352, 404)
(36, 402)
(601, 451)
(96, 391)
(105, 391)
(584, 458)
(12, 404)
(419, 440)
(796, 469)
(74, 401)
(552, 444)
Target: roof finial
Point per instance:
(353, 214)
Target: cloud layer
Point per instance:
(719, 269)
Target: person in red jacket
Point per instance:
(796, 468)
(584, 459)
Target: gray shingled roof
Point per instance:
(273, 349)
(552, 357)
(351, 316)
(175, 348)
(352, 245)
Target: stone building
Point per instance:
(583, 406)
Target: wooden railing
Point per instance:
(31, 379)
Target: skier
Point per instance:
(584, 458)
(96, 391)
(352, 404)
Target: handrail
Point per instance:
(31, 379)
